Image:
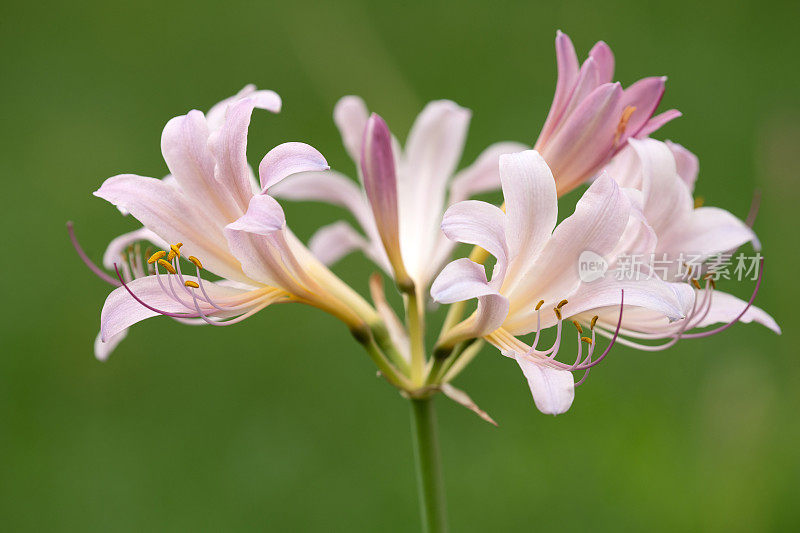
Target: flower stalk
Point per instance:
(430, 482)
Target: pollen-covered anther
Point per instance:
(562, 303)
(557, 311)
(196, 261)
(156, 256)
(593, 322)
(539, 305)
(169, 268)
(192, 284)
(695, 283)
(587, 340)
(578, 326)
(699, 201)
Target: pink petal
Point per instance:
(481, 224)
(553, 390)
(167, 213)
(531, 203)
(644, 95)
(117, 247)
(568, 72)
(599, 220)
(484, 174)
(334, 241)
(604, 58)
(328, 186)
(380, 183)
(287, 159)
(264, 216)
(350, 116)
(657, 122)
(102, 350)
(686, 163)
(184, 144)
(725, 307)
(463, 280)
(121, 310)
(229, 146)
(268, 100)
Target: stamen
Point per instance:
(190, 283)
(699, 201)
(175, 249)
(85, 258)
(562, 303)
(594, 321)
(156, 256)
(578, 327)
(168, 267)
(695, 283)
(557, 311)
(539, 305)
(196, 261)
(150, 307)
(587, 340)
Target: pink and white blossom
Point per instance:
(535, 281)
(212, 210)
(406, 194)
(592, 117)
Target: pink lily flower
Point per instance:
(535, 282)
(219, 219)
(405, 190)
(664, 175)
(591, 118)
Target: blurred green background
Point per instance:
(279, 424)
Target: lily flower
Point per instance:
(407, 189)
(676, 230)
(591, 117)
(221, 221)
(535, 282)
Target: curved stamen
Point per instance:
(85, 258)
(613, 339)
(722, 328)
(150, 307)
(231, 321)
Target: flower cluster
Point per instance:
(222, 249)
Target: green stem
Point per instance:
(429, 466)
(415, 318)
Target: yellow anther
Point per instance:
(196, 261)
(578, 326)
(557, 311)
(175, 249)
(171, 255)
(167, 266)
(699, 201)
(539, 305)
(156, 256)
(562, 303)
(190, 283)
(587, 340)
(713, 283)
(179, 244)
(695, 283)
(593, 322)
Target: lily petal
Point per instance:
(725, 307)
(568, 72)
(686, 163)
(103, 349)
(481, 224)
(118, 245)
(350, 115)
(484, 174)
(334, 241)
(553, 390)
(287, 159)
(463, 280)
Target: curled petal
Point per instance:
(116, 248)
(264, 216)
(656, 122)
(463, 280)
(481, 224)
(644, 96)
(686, 163)
(268, 100)
(568, 71)
(287, 159)
(553, 390)
(103, 349)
